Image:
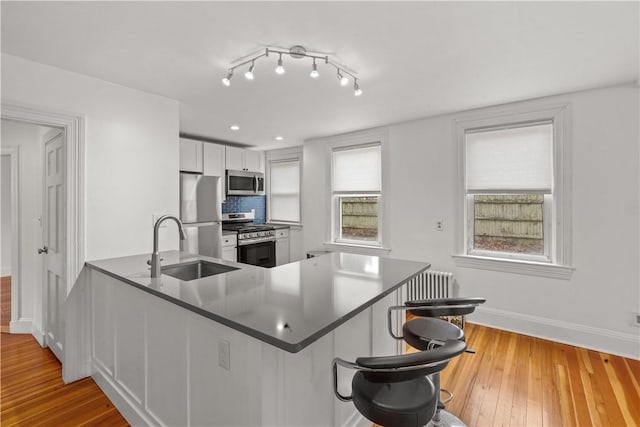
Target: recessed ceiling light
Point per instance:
(279, 138)
(234, 127)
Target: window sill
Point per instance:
(529, 268)
(361, 249)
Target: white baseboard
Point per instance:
(5, 271)
(38, 335)
(120, 400)
(603, 340)
(21, 326)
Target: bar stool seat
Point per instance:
(419, 332)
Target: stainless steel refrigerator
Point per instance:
(201, 214)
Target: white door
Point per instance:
(54, 239)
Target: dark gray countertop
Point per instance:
(278, 226)
(289, 306)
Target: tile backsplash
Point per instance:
(245, 204)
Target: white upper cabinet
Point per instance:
(213, 163)
(253, 161)
(235, 158)
(244, 160)
(190, 155)
(202, 157)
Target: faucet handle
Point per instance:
(149, 261)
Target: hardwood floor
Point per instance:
(516, 380)
(5, 303)
(32, 391)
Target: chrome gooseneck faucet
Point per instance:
(155, 256)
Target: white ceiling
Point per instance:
(414, 59)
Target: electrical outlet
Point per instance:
(224, 354)
(440, 225)
(636, 319)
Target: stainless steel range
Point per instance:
(256, 242)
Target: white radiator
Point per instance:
(430, 284)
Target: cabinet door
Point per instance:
(213, 159)
(282, 251)
(190, 155)
(253, 161)
(234, 158)
(230, 253)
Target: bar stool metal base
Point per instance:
(445, 419)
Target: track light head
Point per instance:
(356, 89)
(280, 68)
(249, 74)
(227, 80)
(344, 80)
(314, 70)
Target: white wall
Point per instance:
(5, 216)
(131, 155)
(28, 139)
(131, 152)
(594, 308)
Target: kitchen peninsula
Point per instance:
(249, 346)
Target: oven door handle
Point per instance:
(245, 242)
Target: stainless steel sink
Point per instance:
(195, 270)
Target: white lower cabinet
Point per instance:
(229, 247)
(170, 368)
(282, 246)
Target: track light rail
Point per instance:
(296, 52)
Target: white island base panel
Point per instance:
(160, 364)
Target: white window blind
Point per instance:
(512, 159)
(357, 169)
(285, 191)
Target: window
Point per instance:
(508, 190)
(283, 203)
(357, 194)
(513, 190)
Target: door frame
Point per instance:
(74, 143)
(14, 159)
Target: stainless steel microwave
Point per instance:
(244, 183)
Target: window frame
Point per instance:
(280, 156)
(336, 211)
(558, 212)
(349, 141)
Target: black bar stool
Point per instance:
(427, 331)
(398, 391)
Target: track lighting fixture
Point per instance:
(249, 74)
(297, 52)
(280, 68)
(314, 70)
